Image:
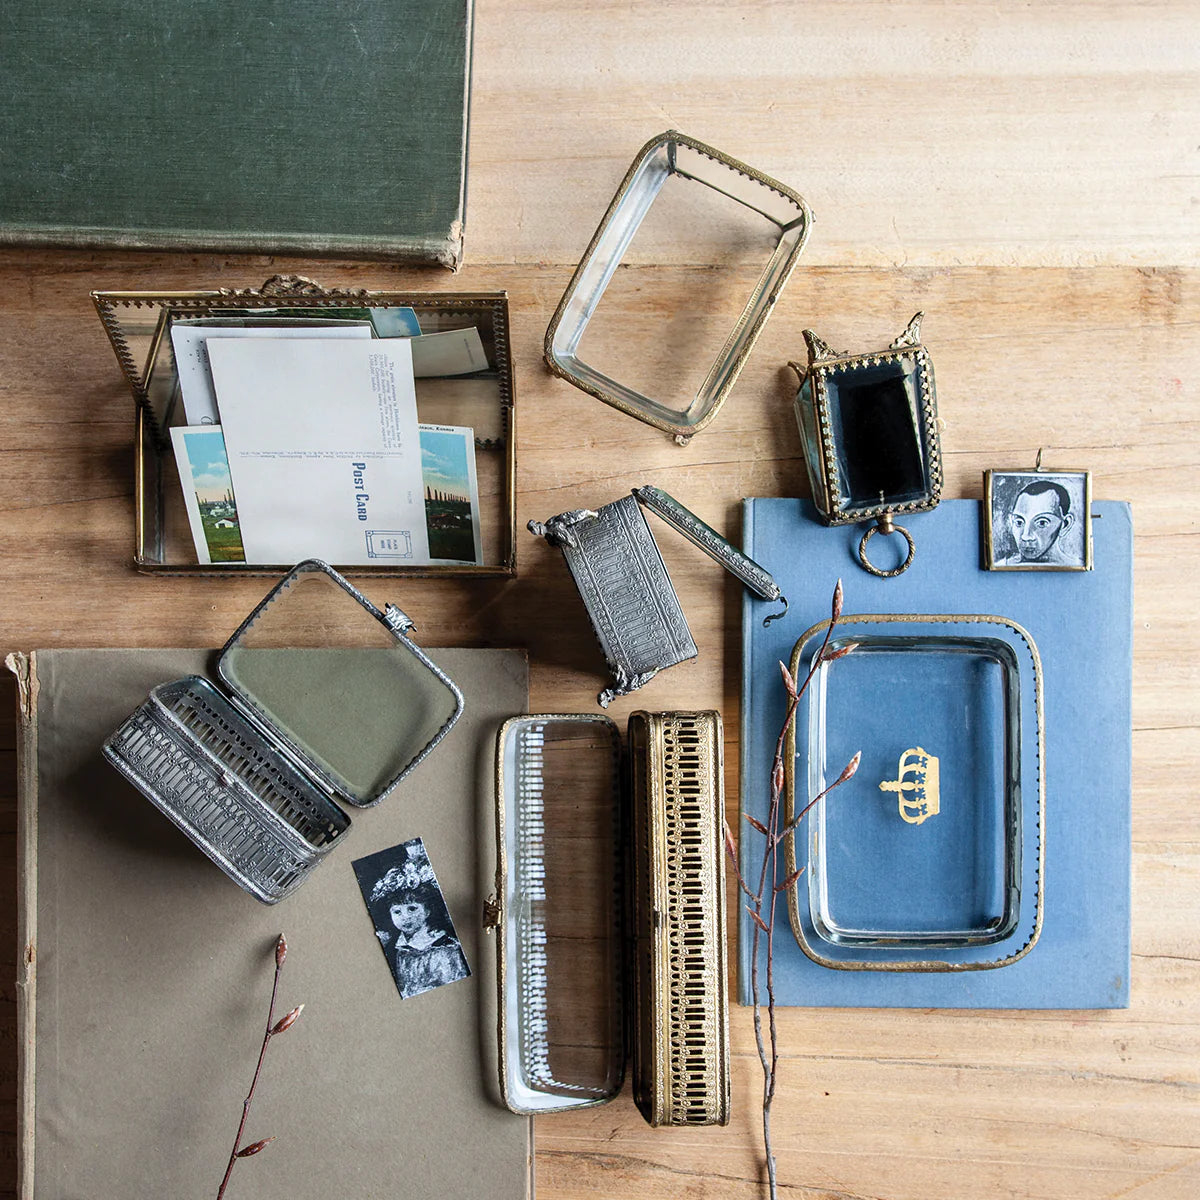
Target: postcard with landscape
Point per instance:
(208, 493)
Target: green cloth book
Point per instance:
(281, 126)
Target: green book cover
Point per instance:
(278, 126)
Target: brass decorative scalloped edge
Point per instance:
(926, 966)
(680, 432)
(817, 374)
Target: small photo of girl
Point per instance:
(411, 919)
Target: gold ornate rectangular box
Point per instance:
(680, 1021)
(609, 915)
(139, 326)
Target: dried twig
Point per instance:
(273, 1028)
(761, 906)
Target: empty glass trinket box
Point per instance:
(869, 428)
(776, 221)
(625, 587)
(325, 699)
(930, 858)
(609, 911)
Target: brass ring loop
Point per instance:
(868, 565)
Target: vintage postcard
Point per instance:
(452, 352)
(208, 493)
(451, 494)
(323, 447)
(411, 919)
(189, 340)
(394, 321)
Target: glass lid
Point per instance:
(929, 857)
(562, 1041)
(339, 682)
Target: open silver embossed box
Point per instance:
(624, 584)
(323, 701)
(609, 914)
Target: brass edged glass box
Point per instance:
(869, 429)
(138, 325)
(931, 858)
(609, 914)
(325, 701)
(779, 217)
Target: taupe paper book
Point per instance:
(145, 998)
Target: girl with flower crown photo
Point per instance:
(411, 919)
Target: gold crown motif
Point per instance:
(917, 785)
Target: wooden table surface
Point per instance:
(1026, 175)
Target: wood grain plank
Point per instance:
(1027, 176)
(921, 133)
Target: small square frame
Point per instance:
(1001, 489)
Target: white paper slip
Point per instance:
(191, 356)
(323, 449)
(454, 352)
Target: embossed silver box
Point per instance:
(325, 700)
(624, 584)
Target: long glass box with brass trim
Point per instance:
(325, 700)
(609, 915)
(139, 326)
(931, 856)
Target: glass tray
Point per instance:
(930, 858)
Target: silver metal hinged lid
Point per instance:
(338, 684)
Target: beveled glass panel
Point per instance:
(929, 857)
(562, 969)
(875, 415)
(935, 860)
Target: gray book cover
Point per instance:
(148, 973)
(280, 126)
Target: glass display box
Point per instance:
(609, 911)
(138, 325)
(670, 161)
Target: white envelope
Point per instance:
(190, 344)
(324, 450)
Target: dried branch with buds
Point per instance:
(274, 1028)
(761, 906)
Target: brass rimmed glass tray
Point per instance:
(930, 857)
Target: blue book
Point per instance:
(1081, 623)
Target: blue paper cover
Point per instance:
(1082, 624)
